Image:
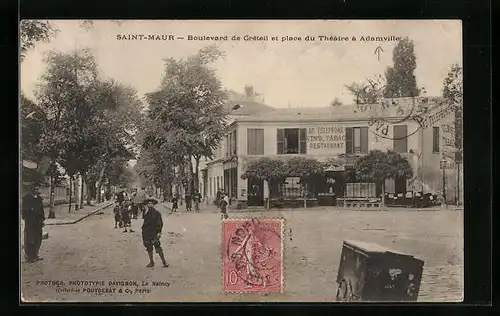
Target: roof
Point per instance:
(341, 113)
(246, 107)
(372, 247)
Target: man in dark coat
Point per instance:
(151, 232)
(33, 215)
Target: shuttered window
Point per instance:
(349, 140)
(281, 141)
(356, 140)
(400, 135)
(435, 139)
(255, 141)
(292, 141)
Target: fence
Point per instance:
(360, 190)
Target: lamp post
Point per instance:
(442, 165)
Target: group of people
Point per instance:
(127, 208)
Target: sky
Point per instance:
(290, 73)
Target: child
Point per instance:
(175, 206)
(117, 212)
(126, 209)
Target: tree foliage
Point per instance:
(401, 80)
(32, 32)
(304, 168)
(368, 92)
(336, 102)
(378, 166)
(186, 114)
(266, 169)
(453, 86)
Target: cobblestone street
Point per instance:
(92, 250)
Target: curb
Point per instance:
(83, 217)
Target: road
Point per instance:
(93, 250)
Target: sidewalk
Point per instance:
(63, 217)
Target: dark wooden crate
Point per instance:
(369, 272)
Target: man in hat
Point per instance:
(151, 232)
(33, 215)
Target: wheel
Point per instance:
(342, 291)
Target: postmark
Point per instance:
(416, 112)
(252, 255)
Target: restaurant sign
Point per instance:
(325, 140)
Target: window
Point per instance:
(356, 140)
(400, 134)
(255, 141)
(292, 188)
(435, 139)
(292, 141)
(210, 186)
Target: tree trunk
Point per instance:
(77, 193)
(52, 214)
(383, 195)
(190, 177)
(70, 192)
(268, 193)
(99, 183)
(196, 184)
(82, 190)
(89, 184)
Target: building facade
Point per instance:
(422, 131)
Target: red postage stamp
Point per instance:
(252, 255)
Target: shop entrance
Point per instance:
(255, 192)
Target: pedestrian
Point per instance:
(120, 197)
(34, 216)
(139, 199)
(223, 205)
(175, 205)
(189, 202)
(125, 215)
(117, 210)
(197, 199)
(218, 198)
(151, 232)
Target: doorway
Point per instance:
(255, 192)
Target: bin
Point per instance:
(370, 272)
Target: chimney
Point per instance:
(249, 93)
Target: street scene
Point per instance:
(232, 161)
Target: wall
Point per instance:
(319, 152)
(215, 170)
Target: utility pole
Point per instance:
(443, 167)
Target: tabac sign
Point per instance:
(326, 140)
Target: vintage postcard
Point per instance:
(240, 161)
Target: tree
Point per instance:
(336, 102)
(187, 111)
(369, 92)
(273, 171)
(401, 81)
(306, 169)
(379, 166)
(32, 32)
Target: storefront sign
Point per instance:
(325, 139)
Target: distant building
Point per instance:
(237, 106)
(422, 131)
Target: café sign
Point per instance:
(325, 139)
